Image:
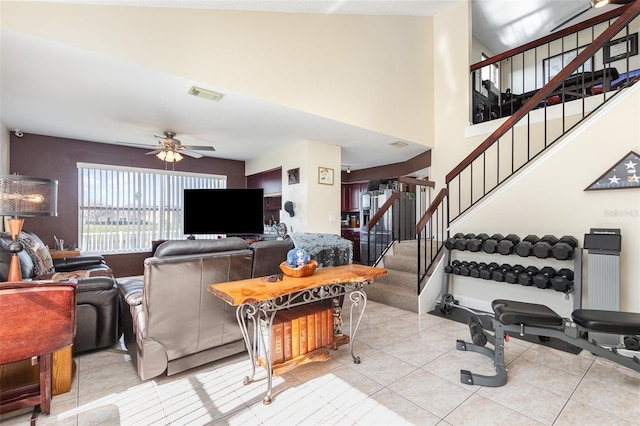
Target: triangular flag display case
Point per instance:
(624, 174)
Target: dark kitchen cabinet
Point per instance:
(352, 196)
(271, 182)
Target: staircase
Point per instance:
(398, 287)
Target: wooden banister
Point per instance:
(431, 210)
(414, 181)
(382, 210)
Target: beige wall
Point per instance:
(452, 43)
(317, 206)
(356, 69)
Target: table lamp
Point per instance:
(24, 196)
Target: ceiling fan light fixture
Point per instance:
(169, 156)
(600, 3)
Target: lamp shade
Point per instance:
(28, 196)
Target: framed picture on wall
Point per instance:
(555, 64)
(294, 176)
(620, 48)
(325, 175)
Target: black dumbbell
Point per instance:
(526, 277)
(525, 247)
(491, 244)
(563, 281)
(475, 271)
(475, 244)
(449, 268)
(461, 243)
(456, 268)
(543, 278)
(466, 267)
(508, 244)
(450, 243)
(542, 249)
(498, 274)
(564, 248)
(512, 276)
(485, 273)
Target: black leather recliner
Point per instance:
(97, 296)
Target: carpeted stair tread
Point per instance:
(399, 288)
(396, 278)
(397, 296)
(410, 247)
(406, 248)
(401, 263)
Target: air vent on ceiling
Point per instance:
(204, 93)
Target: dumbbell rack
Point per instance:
(447, 302)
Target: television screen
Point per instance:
(223, 211)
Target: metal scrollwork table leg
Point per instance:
(261, 315)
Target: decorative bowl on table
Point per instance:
(302, 271)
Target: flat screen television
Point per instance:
(231, 211)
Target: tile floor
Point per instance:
(409, 374)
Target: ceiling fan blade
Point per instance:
(154, 152)
(566, 21)
(190, 153)
(199, 148)
(133, 145)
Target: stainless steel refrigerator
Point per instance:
(401, 219)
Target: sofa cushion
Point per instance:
(131, 290)
(193, 247)
(267, 256)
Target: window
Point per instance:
(490, 72)
(124, 209)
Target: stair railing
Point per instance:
(380, 232)
(474, 169)
(432, 230)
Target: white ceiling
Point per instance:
(44, 85)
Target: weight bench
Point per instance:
(533, 319)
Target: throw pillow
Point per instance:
(42, 262)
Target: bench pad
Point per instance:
(511, 312)
(608, 321)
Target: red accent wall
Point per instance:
(57, 158)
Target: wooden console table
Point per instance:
(258, 299)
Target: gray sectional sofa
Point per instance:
(171, 321)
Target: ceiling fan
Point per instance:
(171, 149)
(592, 4)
